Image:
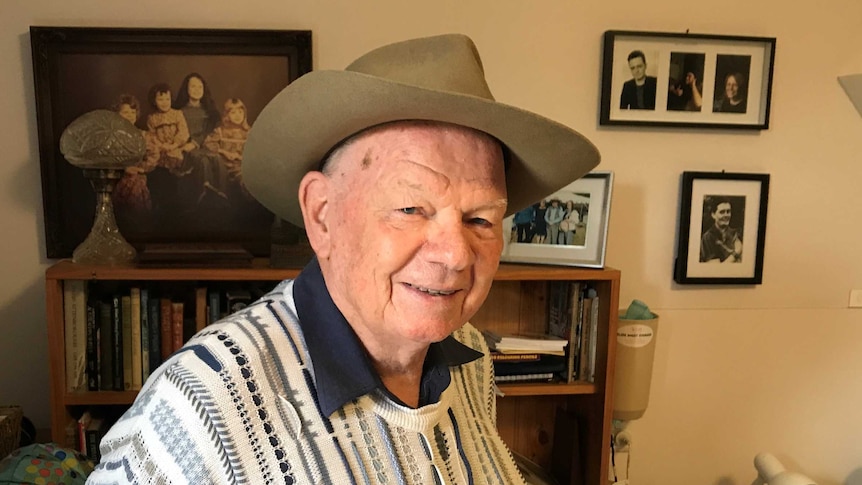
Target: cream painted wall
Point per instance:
(738, 370)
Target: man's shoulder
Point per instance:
(263, 322)
(472, 337)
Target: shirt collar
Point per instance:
(350, 375)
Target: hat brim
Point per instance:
(317, 111)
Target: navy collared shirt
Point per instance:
(342, 368)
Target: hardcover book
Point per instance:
(75, 315)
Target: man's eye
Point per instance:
(409, 210)
(478, 221)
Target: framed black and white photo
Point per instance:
(686, 80)
(568, 227)
(722, 228)
(185, 191)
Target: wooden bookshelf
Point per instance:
(527, 413)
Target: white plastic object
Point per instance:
(770, 471)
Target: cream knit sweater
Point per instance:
(237, 405)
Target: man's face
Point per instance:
(638, 68)
(722, 215)
(416, 219)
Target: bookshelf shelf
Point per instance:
(96, 398)
(546, 389)
(533, 418)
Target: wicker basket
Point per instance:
(10, 429)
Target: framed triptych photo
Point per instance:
(686, 80)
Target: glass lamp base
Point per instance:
(104, 245)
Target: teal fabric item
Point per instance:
(638, 310)
(45, 464)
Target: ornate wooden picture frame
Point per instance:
(184, 191)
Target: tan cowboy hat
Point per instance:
(434, 78)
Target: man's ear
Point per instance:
(314, 200)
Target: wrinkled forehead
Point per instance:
(402, 139)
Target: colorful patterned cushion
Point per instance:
(44, 464)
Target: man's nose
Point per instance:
(449, 244)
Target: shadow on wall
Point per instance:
(855, 477)
(24, 353)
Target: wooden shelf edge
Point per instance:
(88, 398)
(545, 389)
(260, 270)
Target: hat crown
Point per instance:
(442, 63)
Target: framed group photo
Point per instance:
(722, 228)
(568, 227)
(194, 94)
(686, 80)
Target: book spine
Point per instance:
(75, 322)
(524, 357)
(574, 324)
(201, 312)
(93, 438)
(177, 309)
(594, 332)
(542, 376)
(214, 306)
(93, 433)
(166, 330)
(83, 424)
(584, 354)
(126, 304)
(154, 313)
(106, 341)
(135, 324)
(92, 344)
(145, 334)
(117, 348)
(557, 308)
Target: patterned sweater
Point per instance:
(237, 405)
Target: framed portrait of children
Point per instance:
(686, 80)
(568, 227)
(722, 228)
(194, 94)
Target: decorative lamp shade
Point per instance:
(770, 471)
(102, 139)
(103, 144)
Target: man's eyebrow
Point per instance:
(501, 203)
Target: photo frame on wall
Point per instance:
(686, 80)
(568, 227)
(722, 228)
(185, 191)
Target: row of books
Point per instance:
(88, 432)
(526, 357)
(116, 336)
(573, 314)
(566, 352)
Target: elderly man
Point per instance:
(362, 369)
